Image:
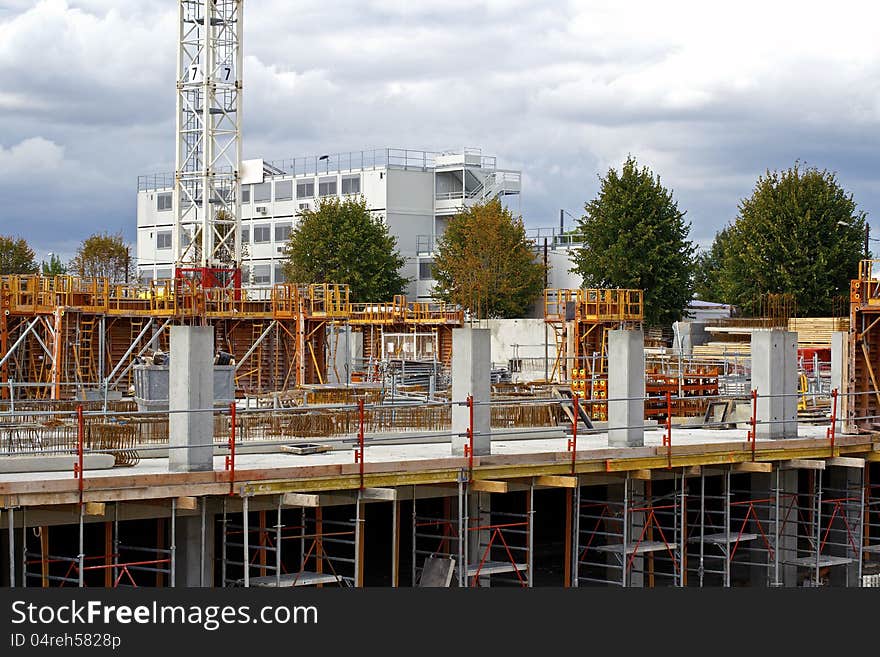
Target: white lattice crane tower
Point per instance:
(207, 189)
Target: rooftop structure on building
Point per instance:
(415, 192)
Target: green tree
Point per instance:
(103, 255)
(54, 266)
(341, 242)
(799, 233)
(708, 267)
(16, 256)
(634, 236)
(485, 263)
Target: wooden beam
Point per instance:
(752, 466)
(301, 499)
(643, 475)
(488, 486)
(556, 481)
(379, 494)
(187, 502)
(802, 464)
(846, 462)
(94, 509)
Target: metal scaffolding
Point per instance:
(254, 555)
(497, 546)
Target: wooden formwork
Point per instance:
(862, 404)
(62, 335)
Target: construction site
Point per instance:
(198, 431)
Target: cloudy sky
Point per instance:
(707, 94)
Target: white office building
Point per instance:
(414, 192)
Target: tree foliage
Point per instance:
(53, 267)
(708, 266)
(799, 233)
(485, 263)
(341, 242)
(634, 236)
(103, 255)
(16, 256)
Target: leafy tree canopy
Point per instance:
(485, 263)
(16, 256)
(103, 255)
(707, 267)
(634, 236)
(341, 242)
(53, 267)
(799, 233)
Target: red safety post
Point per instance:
(80, 440)
(833, 427)
(359, 452)
(573, 441)
(753, 432)
(230, 459)
(469, 448)
(667, 438)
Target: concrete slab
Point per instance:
(55, 463)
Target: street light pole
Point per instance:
(867, 238)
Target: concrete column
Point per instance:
(786, 527)
(471, 371)
(191, 387)
(843, 484)
(189, 549)
(774, 372)
(626, 380)
(479, 515)
(839, 380)
(761, 488)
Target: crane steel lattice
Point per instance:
(207, 191)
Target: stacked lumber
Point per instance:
(723, 349)
(816, 331)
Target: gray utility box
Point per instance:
(151, 386)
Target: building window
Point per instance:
(163, 274)
(163, 201)
(426, 270)
(305, 188)
(279, 274)
(262, 192)
(262, 234)
(282, 232)
(351, 184)
(246, 194)
(327, 186)
(261, 275)
(283, 190)
(163, 239)
(245, 235)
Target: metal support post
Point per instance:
(223, 547)
(575, 530)
(623, 558)
(727, 529)
(776, 530)
(247, 550)
(172, 548)
(10, 518)
(278, 544)
(81, 557)
(531, 534)
(203, 520)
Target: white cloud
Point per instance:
(708, 95)
(31, 156)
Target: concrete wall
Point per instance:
(522, 339)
